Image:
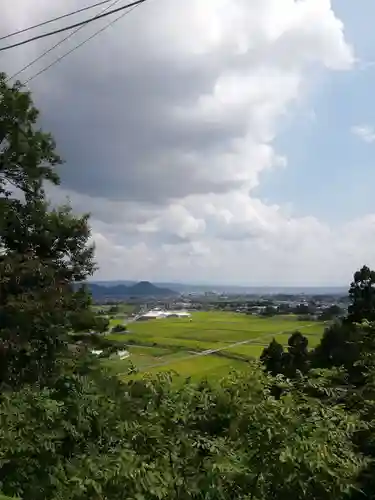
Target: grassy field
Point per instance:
(177, 344)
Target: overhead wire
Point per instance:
(72, 26)
(49, 21)
(38, 58)
(59, 59)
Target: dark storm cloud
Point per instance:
(112, 107)
(115, 125)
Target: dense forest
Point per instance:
(297, 425)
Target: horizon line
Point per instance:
(181, 283)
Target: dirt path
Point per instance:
(213, 351)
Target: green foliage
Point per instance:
(297, 357)
(272, 358)
(352, 385)
(93, 438)
(343, 345)
(43, 251)
(332, 312)
(85, 320)
(120, 328)
(89, 341)
(333, 348)
(362, 296)
(269, 311)
(344, 342)
(290, 363)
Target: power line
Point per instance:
(58, 43)
(82, 43)
(39, 25)
(72, 26)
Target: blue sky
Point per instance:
(331, 172)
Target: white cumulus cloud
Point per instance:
(168, 122)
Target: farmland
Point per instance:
(181, 345)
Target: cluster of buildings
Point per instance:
(158, 313)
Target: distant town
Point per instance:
(147, 297)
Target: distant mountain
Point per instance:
(114, 283)
(146, 288)
(117, 292)
(186, 288)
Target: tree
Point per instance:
(341, 344)
(361, 397)
(86, 320)
(272, 358)
(338, 346)
(332, 312)
(352, 386)
(277, 361)
(43, 250)
(120, 328)
(297, 357)
(362, 296)
(269, 311)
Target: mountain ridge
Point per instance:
(119, 291)
(184, 288)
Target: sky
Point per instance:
(214, 141)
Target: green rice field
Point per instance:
(178, 345)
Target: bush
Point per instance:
(96, 438)
(119, 328)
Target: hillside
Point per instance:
(141, 289)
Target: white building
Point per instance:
(161, 314)
(119, 354)
(123, 354)
(96, 352)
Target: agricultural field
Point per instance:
(184, 346)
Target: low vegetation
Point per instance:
(207, 331)
(300, 426)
